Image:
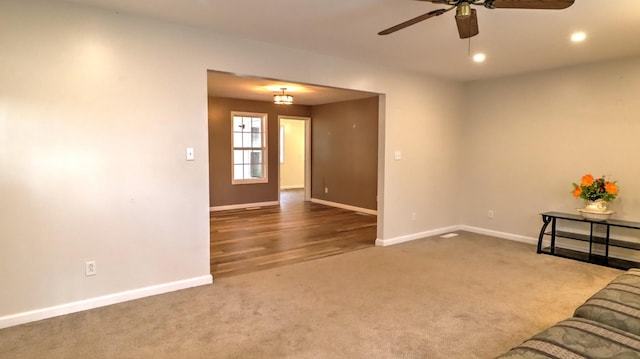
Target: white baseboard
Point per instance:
(344, 206)
(243, 206)
(39, 314)
(439, 231)
(44, 313)
(413, 237)
(492, 233)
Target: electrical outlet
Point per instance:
(490, 214)
(413, 216)
(90, 268)
(326, 190)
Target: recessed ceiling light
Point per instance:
(578, 36)
(479, 57)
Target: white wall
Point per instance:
(292, 170)
(96, 109)
(422, 122)
(527, 138)
(95, 114)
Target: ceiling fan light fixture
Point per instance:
(282, 99)
(463, 10)
(466, 17)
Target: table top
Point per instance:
(576, 217)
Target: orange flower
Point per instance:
(611, 187)
(577, 191)
(587, 180)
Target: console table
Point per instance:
(601, 236)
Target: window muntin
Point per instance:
(249, 147)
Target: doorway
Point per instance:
(294, 159)
(250, 233)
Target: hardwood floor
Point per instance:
(251, 240)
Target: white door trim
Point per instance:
(307, 153)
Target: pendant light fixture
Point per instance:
(282, 99)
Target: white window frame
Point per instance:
(264, 148)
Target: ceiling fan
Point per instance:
(466, 17)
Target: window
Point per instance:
(249, 152)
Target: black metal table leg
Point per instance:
(590, 241)
(606, 250)
(546, 220)
(553, 235)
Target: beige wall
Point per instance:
(221, 191)
(344, 148)
(96, 111)
(527, 138)
(292, 170)
(94, 121)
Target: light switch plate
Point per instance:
(191, 156)
(397, 155)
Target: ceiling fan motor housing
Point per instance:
(463, 10)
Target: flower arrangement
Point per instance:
(591, 189)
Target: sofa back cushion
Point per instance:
(579, 339)
(617, 305)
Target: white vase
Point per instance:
(596, 206)
(595, 210)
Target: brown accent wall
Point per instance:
(221, 191)
(344, 152)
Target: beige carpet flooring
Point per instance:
(466, 297)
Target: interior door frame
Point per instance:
(307, 153)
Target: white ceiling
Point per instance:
(514, 40)
(222, 84)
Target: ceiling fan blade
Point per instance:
(447, 2)
(415, 20)
(529, 4)
(467, 25)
